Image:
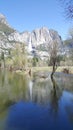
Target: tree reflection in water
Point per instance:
(37, 103)
(54, 98)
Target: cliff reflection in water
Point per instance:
(37, 104)
(43, 91)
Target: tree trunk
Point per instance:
(54, 69)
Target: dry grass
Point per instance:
(46, 69)
(49, 69)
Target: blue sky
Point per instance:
(31, 14)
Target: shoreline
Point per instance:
(45, 69)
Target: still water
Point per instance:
(28, 103)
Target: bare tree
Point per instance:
(54, 53)
(70, 42)
(71, 33)
(68, 8)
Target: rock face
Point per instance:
(3, 19)
(38, 37)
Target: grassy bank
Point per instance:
(59, 69)
(46, 69)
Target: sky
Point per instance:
(27, 15)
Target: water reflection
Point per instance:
(35, 104)
(55, 97)
(30, 89)
(30, 116)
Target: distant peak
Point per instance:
(3, 19)
(44, 28)
(2, 15)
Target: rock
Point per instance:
(38, 38)
(65, 70)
